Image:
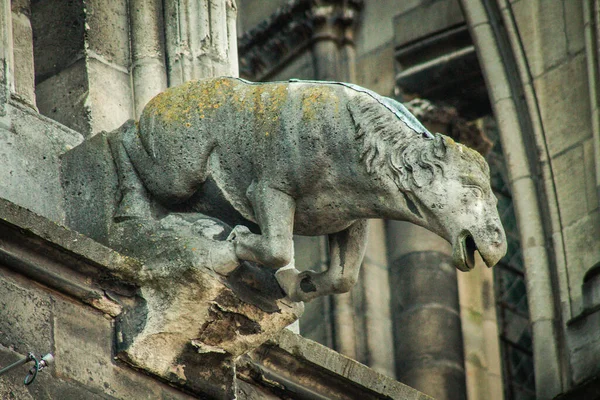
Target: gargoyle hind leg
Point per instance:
(347, 249)
(274, 212)
(134, 202)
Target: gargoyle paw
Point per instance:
(238, 231)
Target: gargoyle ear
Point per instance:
(439, 145)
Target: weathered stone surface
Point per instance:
(23, 55)
(58, 36)
(582, 251)
(29, 167)
(589, 161)
(107, 31)
(574, 26)
(84, 352)
(559, 103)
(110, 95)
(426, 19)
(570, 178)
(304, 367)
(64, 97)
(377, 27)
(26, 320)
(542, 30)
(90, 186)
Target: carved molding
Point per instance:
(292, 29)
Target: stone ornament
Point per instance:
(209, 187)
(301, 157)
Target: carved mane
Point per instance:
(391, 147)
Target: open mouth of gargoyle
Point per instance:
(464, 252)
(469, 248)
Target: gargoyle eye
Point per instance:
(478, 191)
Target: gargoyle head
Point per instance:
(458, 203)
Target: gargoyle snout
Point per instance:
(496, 247)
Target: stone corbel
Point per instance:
(186, 323)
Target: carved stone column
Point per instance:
(200, 39)
(148, 68)
(333, 39)
(425, 311)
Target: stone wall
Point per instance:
(545, 99)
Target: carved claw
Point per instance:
(298, 286)
(238, 231)
(287, 277)
(223, 259)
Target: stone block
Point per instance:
(110, 95)
(584, 347)
(84, 353)
(541, 26)
(574, 24)
(29, 170)
(83, 340)
(582, 249)
(64, 97)
(564, 103)
(26, 320)
(90, 183)
(425, 20)
(107, 30)
(377, 26)
(375, 70)
(570, 182)
(58, 35)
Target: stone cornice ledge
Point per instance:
(292, 365)
(81, 268)
(64, 260)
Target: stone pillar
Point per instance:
(82, 67)
(426, 318)
(374, 284)
(24, 80)
(148, 68)
(200, 39)
(333, 39)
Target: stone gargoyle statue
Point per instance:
(307, 158)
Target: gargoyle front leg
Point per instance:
(347, 249)
(274, 212)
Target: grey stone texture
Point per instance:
(29, 149)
